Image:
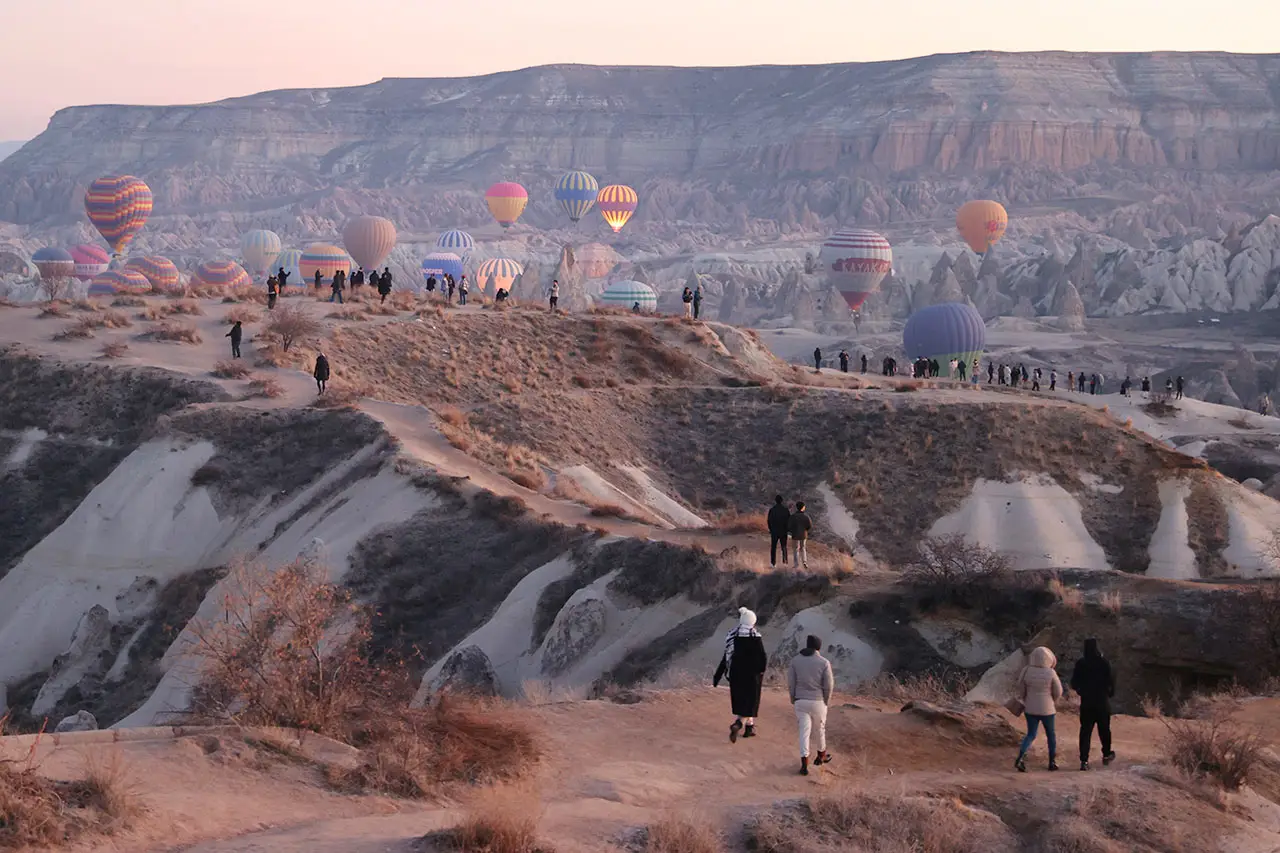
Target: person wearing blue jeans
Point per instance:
(1039, 689)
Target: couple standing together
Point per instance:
(809, 681)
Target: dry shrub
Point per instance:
(608, 511)
(210, 291)
(1071, 597)
(265, 387)
(114, 349)
(1111, 603)
(243, 314)
(1216, 749)
(292, 323)
(954, 569)
(128, 300)
(231, 369)
(115, 320)
(341, 396)
(176, 332)
(500, 822)
(740, 522)
(86, 305)
(82, 328)
(929, 687)
(187, 308)
(253, 295)
(40, 812)
(682, 835)
(58, 310)
(403, 300)
(1161, 405)
(452, 415)
(271, 356)
(348, 312)
(534, 481)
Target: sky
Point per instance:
(58, 53)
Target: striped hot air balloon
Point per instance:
(458, 242)
(506, 201)
(54, 263)
(161, 272)
(576, 192)
(90, 261)
(617, 203)
(112, 282)
(856, 261)
(118, 206)
(290, 261)
(503, 271)
(220, 274)
(369, 239)
(325, 258)
(982, 224)
(440, 264)
(260, 249)
(952, 330)
(625, 294)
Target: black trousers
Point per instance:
(1090, 717)
(774, 541)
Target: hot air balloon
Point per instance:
(54, 263)
(220, 274)
(327, 259)
(982, 224)
(617, 203)
(118, 206)
(856, 261)
(458, 242)
(112, 282)
(506, 202)
(369, 239)
(290, 259)
(576, 192)
(440, 264)
(503, 271)
(260, 249)
(90, 261)
(161, 272)
(625, 294)
(952, 330)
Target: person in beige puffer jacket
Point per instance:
(1039, 688)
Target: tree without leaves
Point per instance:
(292, 323)
(55, 287)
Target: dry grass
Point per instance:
(114, 349)
(231, 368)
(497, 822)
(608, 511)
(185, 308)
(128, 301)
(174, 331)
(348, 312)
(403, 300)
(741, 522)
(341, 395)
(243, 314)
(1069, 596)
(85, 327)
(1243, 422)
(1216, 749)
(910, 688)
(40, 812)
(682, 835)
(57, 310)
(265, 387)
(1111, 603)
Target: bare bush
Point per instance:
(500, 822)
(741, 522)
(293, 323)
(608, 511)
(243, 314)
(85, 327)
(265, 387)
(1160, 405)
(128, 300)
(948, 562)
(1215, 749)
(55, 287)
(1111, 603)
(57, 310)
(114, 349)
(40, 812)
(231, 369)
(176, 332)
(682, 835)
(929, 687)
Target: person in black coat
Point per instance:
(321, 373)
(384, 285)
(1095, 681)
(779, 519)
(744, 662)
(236, 334)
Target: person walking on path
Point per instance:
(743, 663)
(452, 286)
(1039, 688)
(687, 298)
(844, 361)
(384, 285)
(779, 523)
(282, 278)
(273, 291)
(799, 525)
(236, 334)
(1053, 380)
(697, 300)
(319, 279)
(1095, 681)
(554, 296)
(817, 358)
(321, 373)
(864, 362)
(1179, 397)
(462, 291)
(810, 682)
(339, 282)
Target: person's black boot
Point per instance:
(1109, 757)
(1084, 765)
(733, 731)
(824, 757)
(750, 731)
(1053, 764)
(1020, 765)
(804, 766)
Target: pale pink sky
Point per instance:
(56, 53)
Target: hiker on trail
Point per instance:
(554, 296)
(687, 299)
(431, 284)
(976, 366)
(864, 362)
(273, 290)
(810, 682)
(1038, 689)
(1093, 384)
(1124, 387)
(339, 283)
(282, 278)
(1179, 397)
(779, 523)
(1035, 379)
(1146, 385)
(1053, 380)
(1095, 681)
(991, 372)
(744, 663)
(1080, 382)
(1023, 369)
(236, 334)
(1014, 376)
(935, 369)
(961, 368)
(817, 356)
(319, 279)
(1168, 386)
(1071, 381)
(452, 286)
(697, 301)
(321, 373)
(384, 286)
(1003, 374)
(799, 526)
(844, 361)
(462, 291)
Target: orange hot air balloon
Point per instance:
(506, 202)
(982, 224)
(617, 203)
(369, 239)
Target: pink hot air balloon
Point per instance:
(90, 261)
(856, 261)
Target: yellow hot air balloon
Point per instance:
(981, 224)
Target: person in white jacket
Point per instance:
(810, 682)
(1039, 689)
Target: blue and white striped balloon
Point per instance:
(458, 242)
(440, 264)
(576, 192)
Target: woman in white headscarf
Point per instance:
(744, 663)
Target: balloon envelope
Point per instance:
(617, 203)
(162, 273)
(856, 261)
(54, 263)
(946, 331)
(369, 239)
(325, 258)
(503, 271)
(440, 264)
(290, 259)
(220, 274)
(458, 242)
(576, 192)
(90, 261)
(118, 206)
(260, 249)
(982, 224)
(118, 281)
(625, 294)
(506, 201)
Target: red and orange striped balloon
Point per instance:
(220, 274)
(161, 272)
(112, 282)
(118, 206)
(617, 203)
(327, 259)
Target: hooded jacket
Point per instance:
(810, 677)
(1038, 685)
(1094, 679)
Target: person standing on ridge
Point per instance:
(1124, 387)
(799, 526)
(991, 372)
(1071, 381)
(779, 520)
(810, 683)
(462, 291)
(744, 663)
(961, 369)
(384, 286)
(817, 359)
(1039, 688)
(319, 279)
(1080, 382)
(431, 284)
(1053, 380)
(554, 295)
(236, 334)
(357, 279)
(1095, 681)
(282, 278)
(844, 361)
(1179, 397)
(864, 362)
(339, 282)
(321, 373)
(1146, 386)
(697, 300)
(273, 291)
(687, 298)
(452, 286)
